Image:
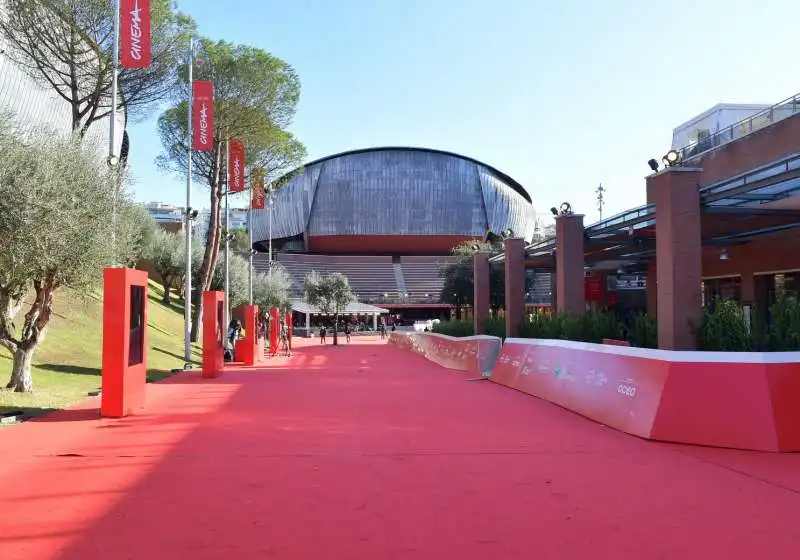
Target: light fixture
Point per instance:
(672, 158)
(620, 270)
(565, 209)
(653, 164)
(554, 211)
(725, 255)
(112, 161)
(508, 233)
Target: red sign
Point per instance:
(134, 33)
(235, 166)
(594, 288)
(257, 189)
(203, 115)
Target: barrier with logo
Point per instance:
(473, 354)
(723, 399)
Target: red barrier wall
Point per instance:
(213, 334)
(472, 354)
(124, 365)
(722, 399)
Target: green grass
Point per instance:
(67, 364)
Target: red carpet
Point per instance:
(370, 452)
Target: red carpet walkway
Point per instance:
(369, 452)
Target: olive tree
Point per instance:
(330, 294)
(56, 207)
(166, 253)
(272, 289)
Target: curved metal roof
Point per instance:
(515, 185)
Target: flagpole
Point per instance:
(113, 160)
(187, 276)
(250, 242)
(227, 233)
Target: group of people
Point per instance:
(236, 332)
(323, 332)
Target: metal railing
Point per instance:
(745, 127)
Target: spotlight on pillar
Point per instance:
(725, 255)
(508, 234)
(554, 211)
(653, 164)
(672, 158)
(565, 209)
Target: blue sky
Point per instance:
(560, 95)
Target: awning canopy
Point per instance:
(353, 308)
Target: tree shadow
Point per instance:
(195, 352)
(68, 368)
(27, 412)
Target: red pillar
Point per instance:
(481, 286)
(247, 348)
(515, 285)
(289, 327)
(213, 334)
(570, 283)
(124, 361)
(678, 254)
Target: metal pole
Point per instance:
(269, 220)
(187, 278)
(227, 233)
(113, 161)
(250, 247)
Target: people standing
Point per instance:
(322, 333)
(347, 332)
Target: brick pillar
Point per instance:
(515, 284)
(570, 283)
(482, 287)
(679, 256)
(651, 289)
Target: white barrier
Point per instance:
(472, 354)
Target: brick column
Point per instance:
(481, 289)
(570, 283)
(515, 284)
(679, 256)
(651, 289)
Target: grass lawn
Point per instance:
(67, 364)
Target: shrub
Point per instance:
(724, 329)
(784, 329)
(644, 331)
(495, 326)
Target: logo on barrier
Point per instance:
(627, 388)
(595, 378)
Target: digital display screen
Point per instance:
(136, 327)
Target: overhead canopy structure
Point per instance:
(353, 308)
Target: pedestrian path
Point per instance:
(371, 452)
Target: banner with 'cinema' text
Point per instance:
(203, 115)
(257, 189)
(235, 166)
(134, 33)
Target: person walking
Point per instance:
(347, 332)
(322, 333)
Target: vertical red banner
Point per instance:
(257, 189)
(203, 115)
(236, 166)
(134, 33)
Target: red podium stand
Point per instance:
(247, 349)
(124, 374)
(213, 334)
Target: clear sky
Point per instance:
(560, 95)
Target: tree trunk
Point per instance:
(21, 379)
(335, 329)
(11, 301)
(211, 252)
(33, 331)
(166, 282)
